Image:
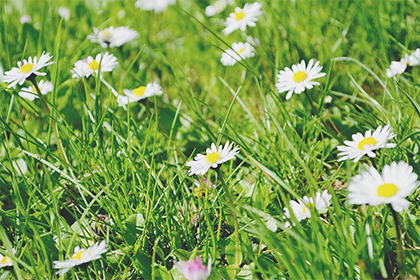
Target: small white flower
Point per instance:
(242, 18)
(25, 19)
(81, 256)
(194, 269)
(64, 13)
(86, 67)
(217, 7)
(396, 182)
(156, 5)
(301, 208)
(299, 78)
(113, 37)
(30, 92)
(397, 67)
(26, 68)
(5, 261)
(139, 93)
(240, 51)
(215, 156)
(365, 145)
(414, 58)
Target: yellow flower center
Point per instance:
(27, 67)
(94, 65)
(213, 157)
(299, 76)
(310, 205)
(78, 255)
(139, 91)
(241, 50)
(5, 260)
(387, 190)
(366, 141)
(304, 210)
(239, 15)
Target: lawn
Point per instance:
(272, 139)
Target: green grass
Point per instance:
(129, 165)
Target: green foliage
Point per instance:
(121, 174)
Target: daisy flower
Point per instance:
(86, 67)
(240, 51)
(194, 269)
(365, 145)
(397, 67)
(139, 93)
(242, 18)
(81, 256)
(215, 156)
(30, 93)
(64, 12)
(414, 58)
(27, 69)
(302, 208)
(113, 37)
(156, 5)
(217, 7)
(396, 182)
(25, 19)
(5, 261)
(299, 78)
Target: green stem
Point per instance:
(209, 225)
(400, 252)
(235, 218)
(47, 109)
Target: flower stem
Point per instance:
(209, 225)
(235, 218)
(47, 109)
(400, 251)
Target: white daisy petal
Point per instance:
(154, 5)
(31, 94)
(86, 67)
(396, 182)
(213, 158)
(240, 51)
(139, 93)
(298, 78)
(26, 69)
(242, 18)
(365, 145)
(397, 67)
(81, 256)
(113, 37)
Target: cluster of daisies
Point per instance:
(398, 67)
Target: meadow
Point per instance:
(83, 166)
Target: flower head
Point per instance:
(299, 78)
(113, 37)
(81, 256)
(302, 208)
(156, 5)
(139, 93)
(240, 51)
(242, 18)
(397, 67)
(25, 19)
(194, 269)
(86, 67)
(414, 58)
(64, 12)
(365, 145)
(26, 69)
(217, 7)
(215, 156)
(5, 261)
(396, 182)
(30, 93)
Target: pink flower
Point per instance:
(194, 269)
